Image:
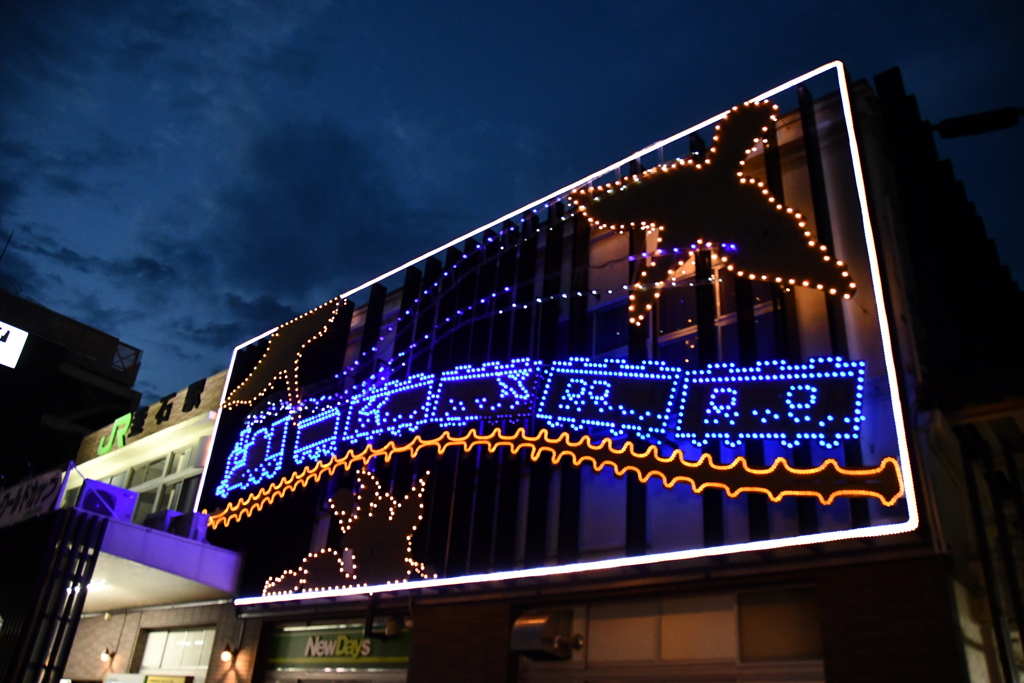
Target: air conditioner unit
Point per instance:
(109, 501)
(190, 525)
(545, 635)
(160, 520)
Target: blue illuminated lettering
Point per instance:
(494, 390)
(721, 406)
(613, 394)
(579, 393)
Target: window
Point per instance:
(183, 652)
(169, 482)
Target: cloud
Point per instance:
(50, 41)
(312, 199)
(292, 63)
(104, 150)
(65, 184)
(17, 274)
(144, 268)
(9, 191)
(103, 313)
(61, 256)
(139, 273)
(246, 318)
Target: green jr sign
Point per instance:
(337, 647)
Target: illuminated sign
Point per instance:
(433, 422)
(764, 239)
(197, 400)
(336, 648)
(12, 342)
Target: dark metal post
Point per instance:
(967, 442)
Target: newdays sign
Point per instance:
(339, 648)
(825, 427)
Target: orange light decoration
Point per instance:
(378, 534)
(825, 482)
(283, 355)
(687, 201)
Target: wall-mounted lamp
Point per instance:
(230, 651)
(106, 655)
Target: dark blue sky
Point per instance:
(186, 175)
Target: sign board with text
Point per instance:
(336, 648)
(28, 499)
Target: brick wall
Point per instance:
(94, 635)
(125, 633)
(462, 643)
(890, 621)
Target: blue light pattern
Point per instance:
(819, 401)
(316, 436)
(610, 394)
(492, 391)
(256, 457)
(395, 407)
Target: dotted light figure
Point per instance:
(820, 400)
(378, 533)
(625, 398)
(711, 204)
(284, 355)
(826, 482)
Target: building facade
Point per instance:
(62, 380)
(120, 578)
(667, 423)
(695, 417)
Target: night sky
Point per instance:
(186, 175)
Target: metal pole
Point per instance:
(967, 440)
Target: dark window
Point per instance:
(610, 328)
(680, 352)
(677, 307)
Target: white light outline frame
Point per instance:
(913, 518)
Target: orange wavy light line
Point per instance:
(563, 446)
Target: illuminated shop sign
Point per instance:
(336, 648)
(746, 372)
(12, 342)
(198, 399)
